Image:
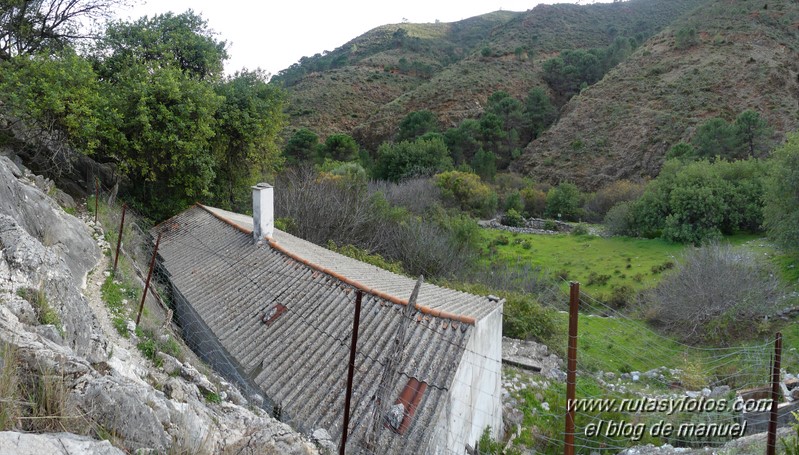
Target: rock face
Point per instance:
(103, 389)
(13, 443)
(26, 265)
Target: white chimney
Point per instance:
(263, 211)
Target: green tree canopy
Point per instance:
(564, 202)
(781, 211)
(182, 41)
(302, 146)
(753, 132)
(715, 138)
(340, 147)
(396, 161)
(539, 110)
(416, 124)
(245, 136)
(57, 97)
(463, 141)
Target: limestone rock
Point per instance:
(13, 443)
(40, 216)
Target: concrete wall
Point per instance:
(475, 400)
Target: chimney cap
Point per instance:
(261, 185)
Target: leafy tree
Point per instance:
(31, 26)
(493, 135)
(564, 202)
(162, 138)
(340, 147)
(681, 151)
(182, 41)
(57, 98)
(302, 146)
(511, 113)
(567, 72)
(416, 124)
(781, 211)
(408, 159)
(246, 131)
(539, 110)
(715, 138)
(699, 201)
(752, 131)
(157, 73)
(463, 142)
(485, 164)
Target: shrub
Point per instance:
(618, 220)
(411, 159)
(514, 201)
(580, 229)
(563, 202)
(781, 200)
(535, 201)
(466, 191)
(550, 225)
(714, 289)
(599, 203)
(525, 319)
(512, 218)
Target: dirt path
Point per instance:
(124, 355)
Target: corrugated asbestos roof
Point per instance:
(299, 359)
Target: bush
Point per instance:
(580, 229)
(466, 191)
(535, 201)
(512, 218)
(526, 319)
(700, 201)
(618, 220)
(715, 296)
(563, 202)
(599, 203)
(405, 159)
(781, 199)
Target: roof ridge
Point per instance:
(356, 284)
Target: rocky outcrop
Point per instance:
(101, 387)
(39, 215)
(14, 443)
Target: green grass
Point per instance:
(598, 263)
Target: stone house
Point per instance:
(274, 313)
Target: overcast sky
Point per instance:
(274, 34)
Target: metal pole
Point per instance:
(571, 368)
(147, 283)
(96, 198)
(771, 445)
(119, 238)
(355, 322)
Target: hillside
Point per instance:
(745, 57)
(366, 86)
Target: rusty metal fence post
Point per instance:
(771, 445)
(571, 368)
(149, 276)
(119, 238)
(351, 370)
